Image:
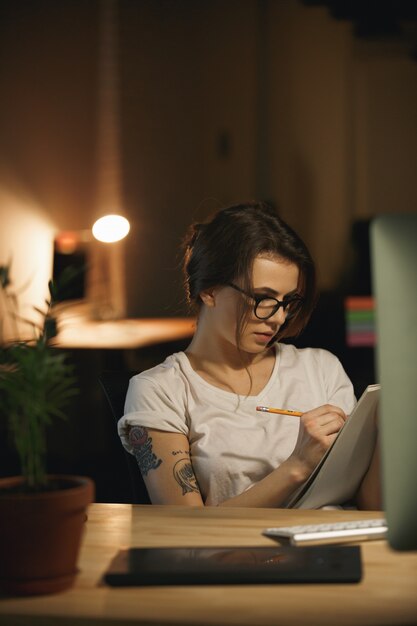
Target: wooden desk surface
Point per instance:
(386, 595)
(122, 334)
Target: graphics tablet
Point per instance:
(243, 565)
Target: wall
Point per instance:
(192, 86)
(219, 102)
(309, 113)
(47, 78)
(24, 227)
(385, 129)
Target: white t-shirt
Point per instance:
(233, 446)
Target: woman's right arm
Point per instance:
(165, 464)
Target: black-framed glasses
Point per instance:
(266, 306)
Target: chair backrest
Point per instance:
(114, 385)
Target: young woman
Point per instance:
(192, 423)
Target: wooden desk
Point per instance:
(387, 594)
(122, 334)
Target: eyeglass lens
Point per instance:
(268, 306)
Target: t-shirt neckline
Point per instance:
(192, 374)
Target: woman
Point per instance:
(192, 423)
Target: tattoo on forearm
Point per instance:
(142, 449)
(175, 452)
(185, 477)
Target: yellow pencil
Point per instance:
(268, 409)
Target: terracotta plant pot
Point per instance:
(40, 534)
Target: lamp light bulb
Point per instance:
(111, 228)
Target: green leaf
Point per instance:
(36, 384)
(5, 276)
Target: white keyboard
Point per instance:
(337, 532)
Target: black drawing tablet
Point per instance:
(243, 565)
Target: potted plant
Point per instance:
(41, 515)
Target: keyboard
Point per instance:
(336, 532)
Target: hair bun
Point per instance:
(195, 231)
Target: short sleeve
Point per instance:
(339, 388)
(150, 404)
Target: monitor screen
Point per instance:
(394, 276)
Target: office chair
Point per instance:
(114, 385)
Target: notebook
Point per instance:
(337, 477)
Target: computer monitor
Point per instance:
(394, 276)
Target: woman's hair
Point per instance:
(222, 251)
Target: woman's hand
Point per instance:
(318, 430)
